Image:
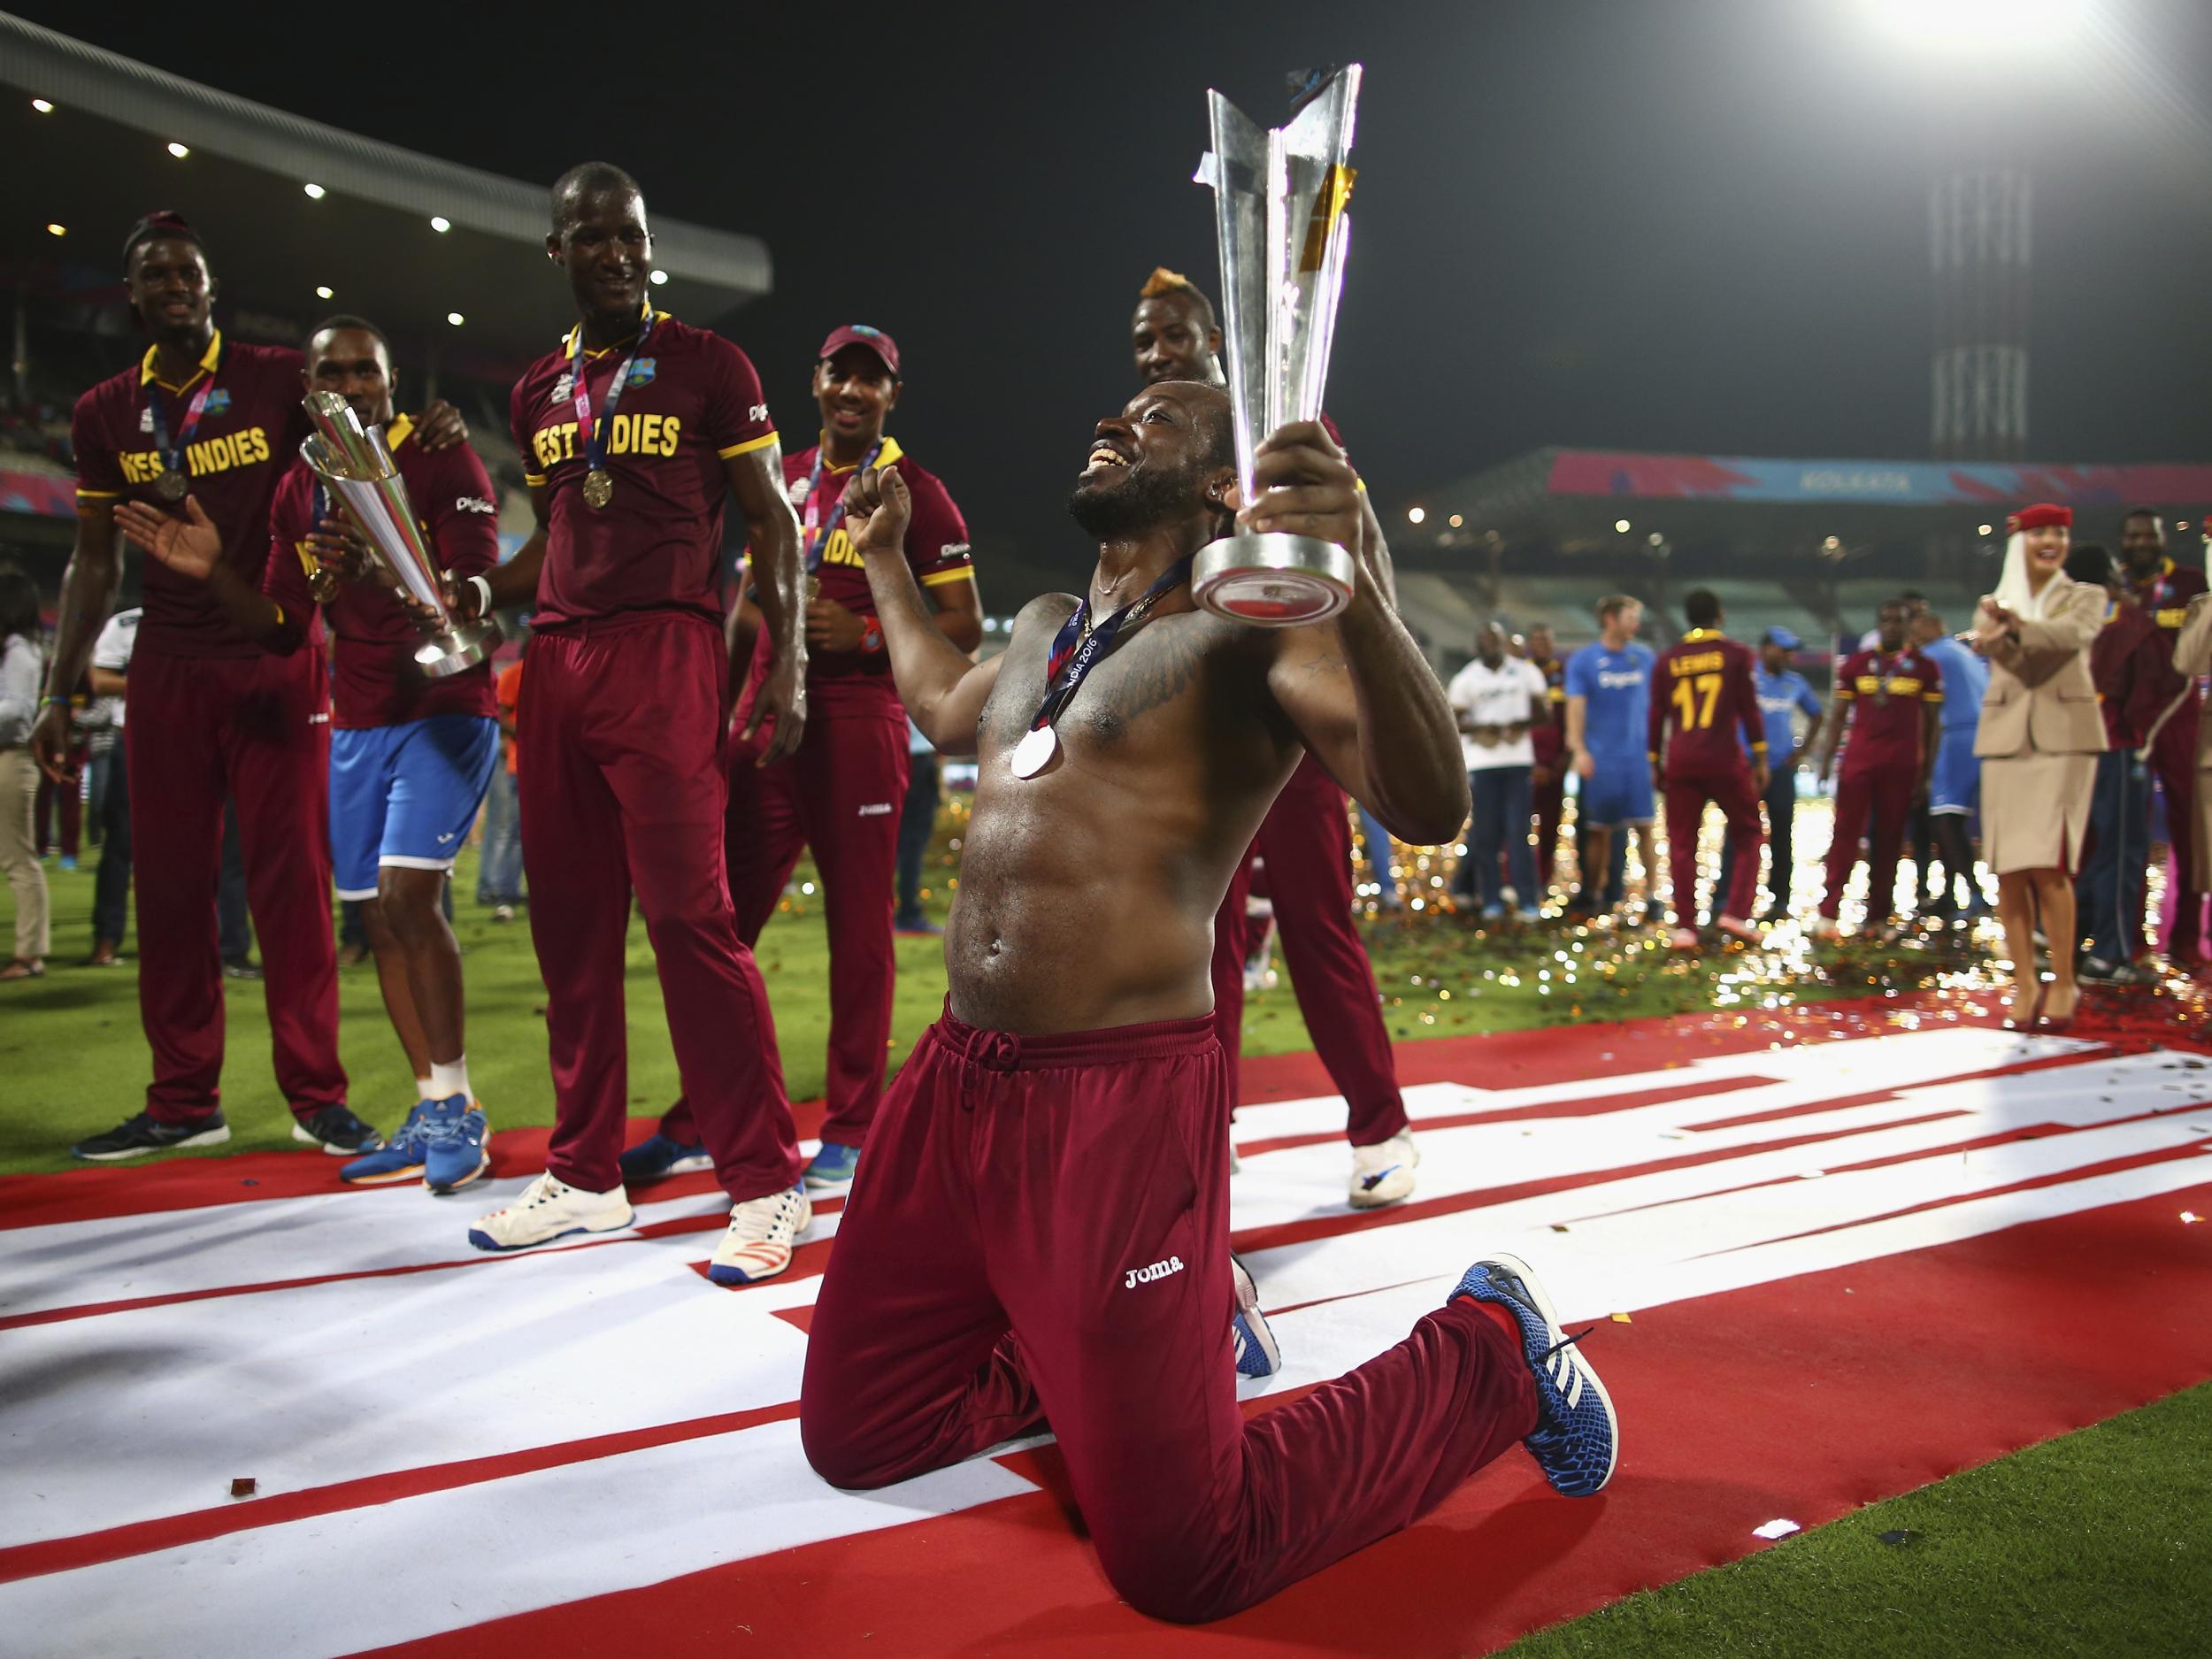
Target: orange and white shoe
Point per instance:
(1683, 939)
(761, 1236)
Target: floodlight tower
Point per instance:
(1981, 245)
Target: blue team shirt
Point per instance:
(1617, 686)
(1965, 678)
(1779, 696)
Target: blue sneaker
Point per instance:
(833, 1165)
(69, 861)
(398, 1159)
(455, 1130)
(1493, 912)
(1252, 1342)
(658, 1156)
(1577, 1439)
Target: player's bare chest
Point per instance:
(1175, 681)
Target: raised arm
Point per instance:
(1358, 689)
(944, 692)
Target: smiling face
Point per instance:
(171, 290)
(1172, 340)
(2045, 547)
(356, 365)
(1166, 455)
(605, 248)
(856, 392)
(2143, 542)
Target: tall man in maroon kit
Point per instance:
(841, 794)
(208, 423)
(634, 432)
(1702, 695)
(1306, 843)
(1043, 1228)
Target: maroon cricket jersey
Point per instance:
(2130, 660)
(374, 678)
(1886, 691)
(249, 434)
(2164, 600)
(1548, 737)
(1702, 694)
(692, 402)
(846, 682)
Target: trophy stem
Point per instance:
(457, 649)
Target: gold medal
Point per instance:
(172, 486)
(598, 487)
(323, 583)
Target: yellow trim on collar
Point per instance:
(209, 359)
(568, 340)
(891, 452)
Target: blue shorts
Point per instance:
(406, 795)
(1955, 786)
(1619, 793)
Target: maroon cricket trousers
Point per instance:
(1731, 793)
(1876, 802)
(1306, 841)
(1040, 1232)
(619, 770)
(839, 795)
(256, 728)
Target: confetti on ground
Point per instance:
(242, 1487)
(1776, 1529)
(1622, 1318)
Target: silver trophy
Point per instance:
(1279, 196)
(358, 469)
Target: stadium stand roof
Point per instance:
(99, 159)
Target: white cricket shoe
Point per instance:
(550, 1208)
(1683, 939)
(761, 1234)
(1824, 929)
(1383, 1173)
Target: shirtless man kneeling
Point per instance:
(1042, 1228)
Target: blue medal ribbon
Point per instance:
(591, 431)
(1074, 655)
(818, 526)
(172, 457)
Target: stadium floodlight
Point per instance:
(1621, 525)
(178, 150)
(660, 279)
(322, 291)
(439, 223)
(42, 106)
(1985, 28)
(454, 317)
(1414, 515)
(62, 230)
(1456, 520)
(315, 192)
(1982, 529)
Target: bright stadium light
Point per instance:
(42, 106)
(660, 279)
(1621, 525)
(178, 150)
(1414, 515)
(322, 292)
(1982, 529)
(1985, 28)
(439, 223)
(1457, 520)
(314, 192)
(53, 229)
(454, 317)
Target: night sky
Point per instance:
(1689, 225)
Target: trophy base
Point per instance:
(457, 649)
(1272, 582)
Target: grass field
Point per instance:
(2096, 1544)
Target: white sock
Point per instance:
(423, 1089)
(449, 1079)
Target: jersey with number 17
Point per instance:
(1703, 695)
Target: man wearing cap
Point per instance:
(1305, 842)
(1783, 693)
(204, 426)
(2162, 590)
(841, 794)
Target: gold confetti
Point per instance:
(1619, 1319)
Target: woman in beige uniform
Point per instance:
(2039, 738)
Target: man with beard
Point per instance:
(2162, 590)
(1306, 843)
(1045, 1232)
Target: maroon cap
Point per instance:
(860, 334)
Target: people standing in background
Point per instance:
(1704, 716)
(111, 885)
(1609, 707)
(1955, 787)
(1548, 742)
(1891, 695)
(1496, 699)
(1783, 693)
(1382, 859)
(2129, 660)
(917, 824)
(22, 666)
(2162, 591)
(499, 862)
(2040, 735)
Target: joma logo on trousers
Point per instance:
(1158, 1270)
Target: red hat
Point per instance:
(2035, 518)
(860, 334)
